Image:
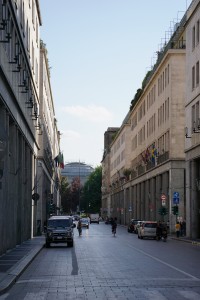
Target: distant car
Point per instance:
(132, 224)
(147, 229)
(108, 221)
(76, 217)
(85, 222)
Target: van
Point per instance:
(147, 229)
(60, 229)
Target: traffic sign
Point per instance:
(176, 198)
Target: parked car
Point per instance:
(147, 229)
(85, 222)
(60, 230)
(132, 224)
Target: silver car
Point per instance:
(147, 229)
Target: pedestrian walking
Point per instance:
(177, 229)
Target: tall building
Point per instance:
(192, 104)
(147, 158)
(29, 138)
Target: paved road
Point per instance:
(101, 266)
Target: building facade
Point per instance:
(149, 169)
(77, 170)
(192, 133)
(22, 138)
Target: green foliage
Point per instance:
(136, 98)
(70, 194)
(91, 195)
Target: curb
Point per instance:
(14, 273)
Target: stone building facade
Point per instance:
(150, 168)
(21, 118)
(192, 104)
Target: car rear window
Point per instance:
(150, 225)
(59, 223)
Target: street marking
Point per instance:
(164, 263)
(189, 295)
(154, 295)
(38, 296)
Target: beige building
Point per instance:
(150, 145)
(192, 104)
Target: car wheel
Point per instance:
(142, 237)
(47, 244)
(70, 244)
(138, 236)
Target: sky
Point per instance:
(99, 52)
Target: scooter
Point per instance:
(162, 236)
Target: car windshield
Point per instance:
(59, 223)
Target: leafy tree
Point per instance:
(70, 194)
(64, 192)
(91, 194)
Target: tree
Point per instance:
(64, 192)
(91, 195)
(70, 194)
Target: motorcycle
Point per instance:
(162, 235)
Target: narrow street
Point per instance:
(101, 266)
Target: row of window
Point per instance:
(195, 116)
(195, 76)
(151, 97)
(163, 81)
(117, 145)
(163, 112)
(195, 35)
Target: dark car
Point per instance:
(132, 225)
(60, 230)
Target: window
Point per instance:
(197, 73)
(33, 12)
(193, 78)
(197, 34)
(193, 37)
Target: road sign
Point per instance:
(163, 202)
(176, 195)
(176, 198)
(163, 197)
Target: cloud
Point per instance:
(91, 113)
(70, 134)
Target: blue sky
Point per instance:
(99, 52)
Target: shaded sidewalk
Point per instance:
(16, 260)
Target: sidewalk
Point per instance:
(186, 239)
(15, 261)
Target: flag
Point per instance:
(61, 161)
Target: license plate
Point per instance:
(59, 238)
